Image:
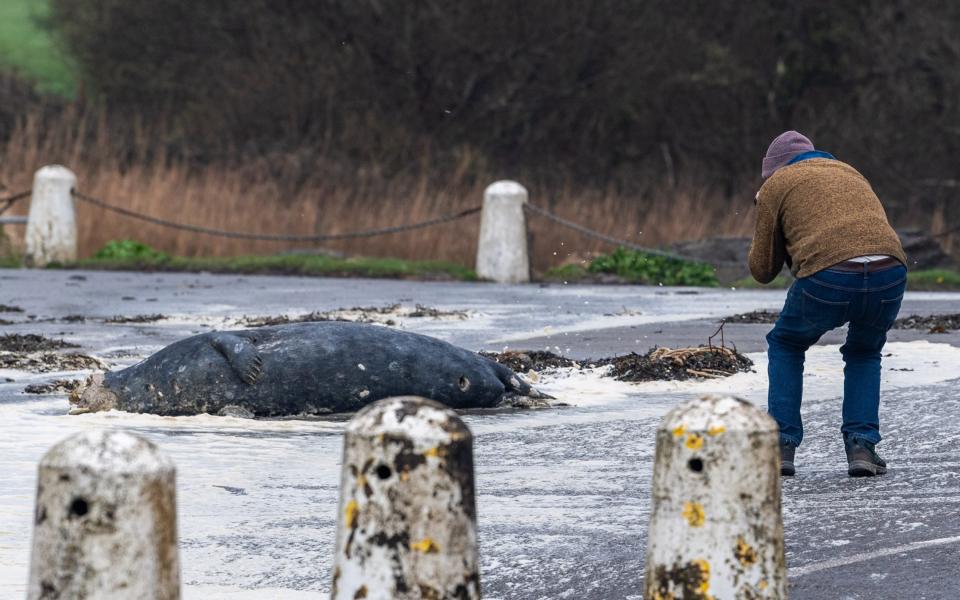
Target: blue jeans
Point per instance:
(869, 302)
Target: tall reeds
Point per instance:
(311, 193)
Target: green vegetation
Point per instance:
(28, 48)
(933, 280)
(128, 255)
(130, 250)
(640, 267)
(566, 273)
(749, 283)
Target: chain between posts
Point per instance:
(9, 201)
(273, 237)
(945, 232)
(615, 241)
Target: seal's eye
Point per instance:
(464, 383)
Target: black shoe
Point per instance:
(787, 453)
(862, 459)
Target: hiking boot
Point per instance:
(787, 453)
(862, 459)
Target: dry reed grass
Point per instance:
(255, 198)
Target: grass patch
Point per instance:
(133, 256)
(129, 250)
(781, 282)
(642, 267)
(933, 280)
(631, 266)
(28, 48)
(10, 262)
(566, 273)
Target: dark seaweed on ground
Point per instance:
(313, 317)
(363, 315)
(664, 364)
(8, 308)
(763, 317)
(428, 311)
(930, 324)
(30, 342)
(530, 360)
(659, 364)
(135, 319)
(57, 386)
(46, 362)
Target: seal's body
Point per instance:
(304, 368)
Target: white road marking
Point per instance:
(865, 556)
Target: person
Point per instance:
(821, 217)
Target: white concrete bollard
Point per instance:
(105, 521)
(715, 524)
(407, 520)
(52, 223)
(502, 250)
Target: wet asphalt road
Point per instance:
(563, 494)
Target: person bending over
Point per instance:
(821, 217)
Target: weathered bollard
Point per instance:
(105, 524)
(52, 223)
(406, 527)
(715, 525)
(502, 254)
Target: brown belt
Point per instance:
(850, 266)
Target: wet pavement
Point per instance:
(563, 494)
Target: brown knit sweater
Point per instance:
(814, 214)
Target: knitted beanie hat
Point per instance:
(782, 150)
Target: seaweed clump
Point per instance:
(932, 323)
(664, 364)
(762, 317)
(57, 386)
(530, 360)
(30, 342)
(135, 318)
(382, 315)
(46, 362)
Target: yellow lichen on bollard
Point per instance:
(715, 525)
(407, 518)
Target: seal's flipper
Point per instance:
(516, 384)
(241, 354)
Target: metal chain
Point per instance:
(615, 241)
(9, 200)
(272, 237)
(945, 232)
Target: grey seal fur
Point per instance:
(300, 369)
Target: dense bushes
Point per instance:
(598, 87)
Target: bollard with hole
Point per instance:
(52, 223)
(406, 526)
(715, 523)
(105, 522)
(502, 254)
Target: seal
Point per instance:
(300, 369)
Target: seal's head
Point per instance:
(92, 396)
